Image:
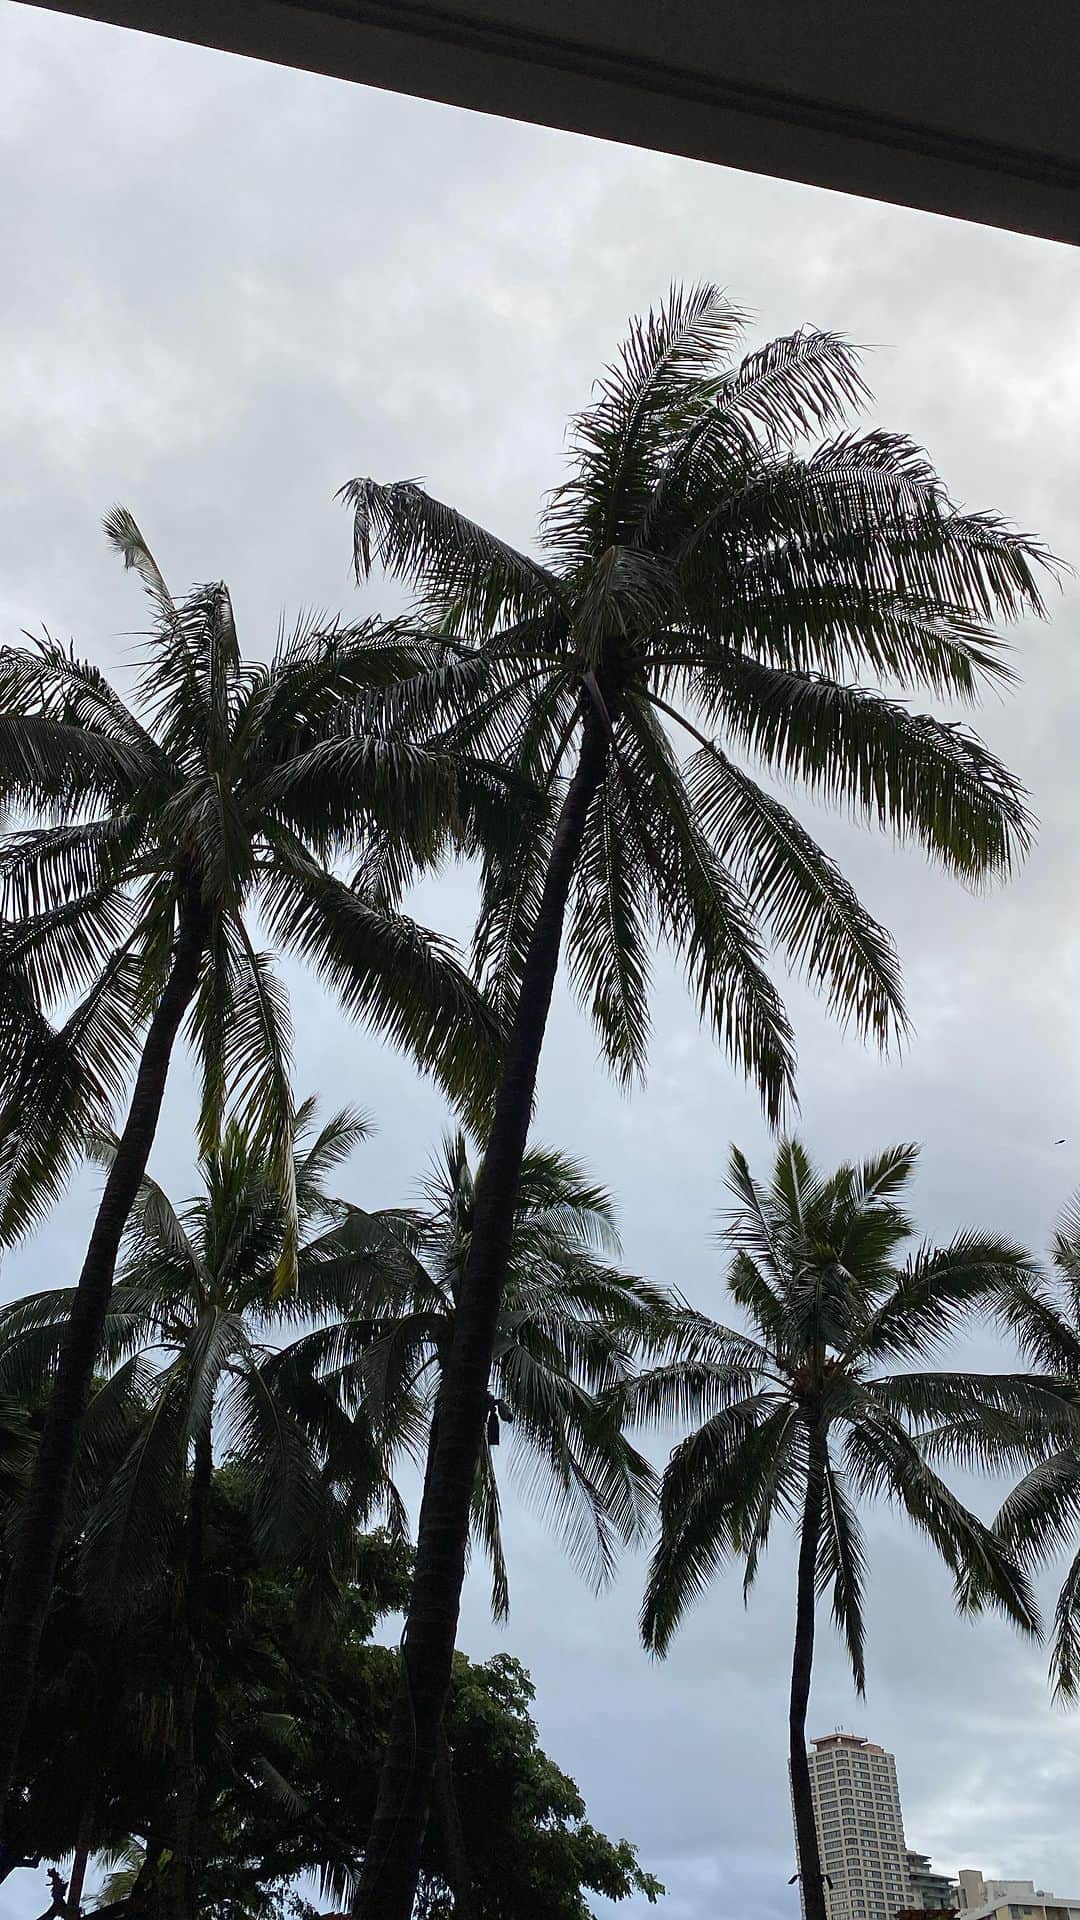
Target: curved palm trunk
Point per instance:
(811, 1880)
(33, 1571)
(387, 1887)
(181, 1901)
(448, 1814)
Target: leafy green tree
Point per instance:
(103, 1672)
(804, 1414)
(104, 1741)
(704, 578)
(532, 1852)
(1042, 1513)
(157, 829)
(191, 1330)
(523, 1824)
(294, 1715)
(572, 1327)
(95, 1753)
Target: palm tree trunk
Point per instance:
(77, 1880)
(33, 1571)
(182, 1867)
(387, 1888)
(144, 1898)
(810, 1875)
(448, 1814)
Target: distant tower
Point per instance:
(860, 1828)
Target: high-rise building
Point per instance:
(860, 1828)
(932, 1892)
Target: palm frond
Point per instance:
(282, 1476)
(778, 1492)
(69, 746)
(258, 1070)
(129, 1533)
(456, 562)
(61, 951)
(1065, 1656)
(44, 867)
(711, 1491)
(936, 1287)
(697, 1384)
(608, 934)
(1047, 1334)
(983, 1419)
(393, 974)
(486, 1526)
(511, 888)
(124, 535)
(913, 775)
(881, 1459)
(58, 1085)
(667, 372)
(1043, 1508)
(154, 1218)
(842, 1564)
(704, 918)
(801, 896)
(797, 385)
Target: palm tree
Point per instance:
(1041, 1513)
(157, 828)
(802, 1415)
(572, 1328)
(192, 1327)
(705, 577)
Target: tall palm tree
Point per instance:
(156, 828)
(704, 579)
(1042, 1513)
(803, 1414)
(572, 1328)
(195, 1318)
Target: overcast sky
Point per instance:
(227, 289)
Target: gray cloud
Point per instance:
(226, 290)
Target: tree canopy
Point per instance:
(293, 1728)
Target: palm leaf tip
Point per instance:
(1065, 1656)
(657, 1622)
(122, 532)
(125, 536)
(356, 495)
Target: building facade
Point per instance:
(982, 1899)
(930, 1892)
(860, 1828)
(1032, 1904)
(976, 1892)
